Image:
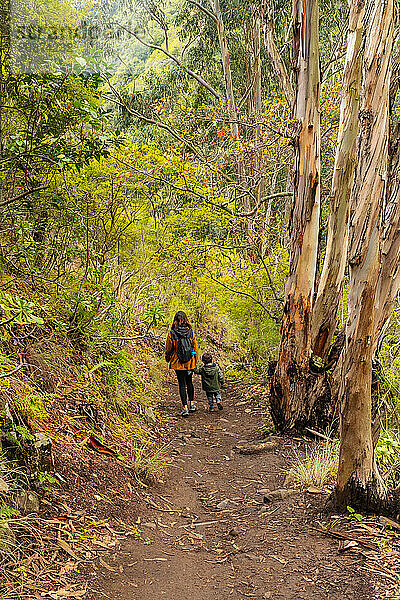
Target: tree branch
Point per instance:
(247, 295)
(176, 60)
(204, 10)
(23, 195)
(3, 375)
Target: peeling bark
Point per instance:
(291, 403)
(389, 276)
(358, 482)
(331, 282)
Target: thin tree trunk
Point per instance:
(290, 400)
(331, 282)
(232, 109)
(358, 483)
(274, 56)
(259, 171)
(226, 65)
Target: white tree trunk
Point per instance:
(274, 56)
(358, 483)
(331, 282)
(226, 65)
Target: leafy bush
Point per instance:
(387, 453)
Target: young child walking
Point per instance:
(211, 380)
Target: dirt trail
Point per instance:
(201, 552)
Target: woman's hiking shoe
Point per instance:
(219, 404)
(185, 412)
(192, 407)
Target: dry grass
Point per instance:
(318, 467)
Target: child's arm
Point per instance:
(221, 377)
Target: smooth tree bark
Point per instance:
(358, 483)
(291, 401)
(226, 65)
(232, 112)
(274, 55)
(331, 283)
(257, 103)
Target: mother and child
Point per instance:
(181, 351)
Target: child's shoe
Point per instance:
(219, 404)
(211, 408)
(192, 407)
(185, 412)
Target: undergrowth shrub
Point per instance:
(149, 464)
(387, 453)
(318, 467)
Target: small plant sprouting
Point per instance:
(385, 544)
(137, 534)
(353, 515)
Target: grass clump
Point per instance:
(317, 468)
(149, 463)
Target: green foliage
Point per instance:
(149, 465)
(353, 515)
(47, 478)
(18, 435)
(154, 315)
(387, 453)
(7, 512)
(19, 310)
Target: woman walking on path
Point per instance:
(181, 351)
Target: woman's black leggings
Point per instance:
(185, 381)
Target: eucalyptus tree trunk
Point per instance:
(232, 112)
(331, 282)
(291, 403)
(257, 102)
(358, 483)
(226, 65)
(389, 276)
(274, 56)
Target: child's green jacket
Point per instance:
(211, 377)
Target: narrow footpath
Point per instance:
(212, 536)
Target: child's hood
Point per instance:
(211, 369)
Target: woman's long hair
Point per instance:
(180, 319)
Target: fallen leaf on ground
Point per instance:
(67, 548)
